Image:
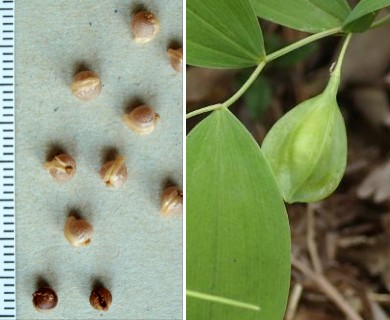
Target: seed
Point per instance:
(100, 299)
(62, 168)
(45, 299)
(114, 173)
(142, 120)
(145, 26)
(86, 85)
(176, 57)
(171, 201)
(78, 232)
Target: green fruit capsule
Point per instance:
(307, 147)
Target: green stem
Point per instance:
(203, 110)
(209, 297)
(233, 98)
(245, 86)
(301, 43)
(337, 69)
(260, 67)
(381, 22)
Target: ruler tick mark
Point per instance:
(7, 90)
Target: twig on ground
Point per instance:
(295, 296)
(311, 241)
(328, 289)
(379, 297)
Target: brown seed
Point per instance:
(176, 57)
(100, 299)
(171, 202)
(62, 168)
(86, 85)
(142, 120)
(145, 26)
(78, 232)
(114, 173)
(45, 299)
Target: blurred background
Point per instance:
(345, 239)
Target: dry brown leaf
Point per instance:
(376, 185)
(374, 105)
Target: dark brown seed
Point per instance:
(100, 299)
(45, 299)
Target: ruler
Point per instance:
(7, 161)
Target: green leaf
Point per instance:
(238, 238)
(223, 34)
(306, 15)
(363, 14)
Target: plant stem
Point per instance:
(213, 298)
(234, 97)
(245, 86)
(260, 67)
(301, 43)
(203, 110)
(337, 68)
